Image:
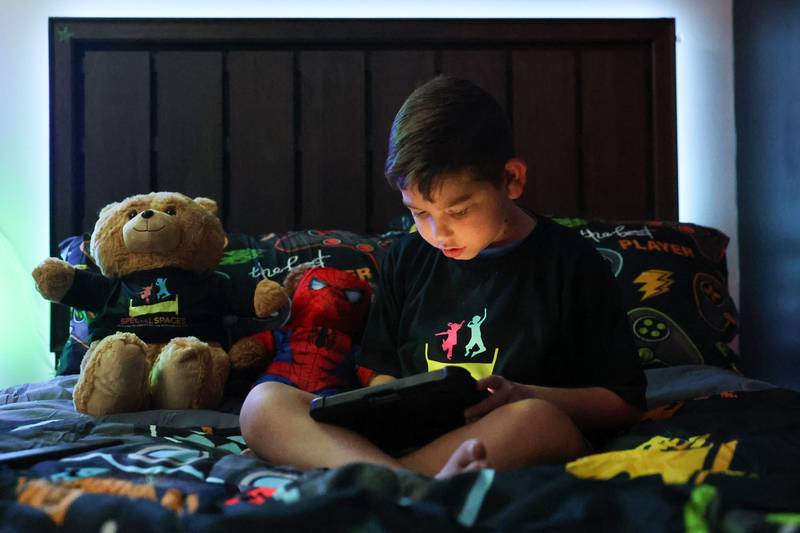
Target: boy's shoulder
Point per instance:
(561, 240)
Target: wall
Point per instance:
(768, 124)
(704, 57)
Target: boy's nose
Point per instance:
(440, 229)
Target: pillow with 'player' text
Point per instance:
(674, 282)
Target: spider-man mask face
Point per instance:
(332, 298)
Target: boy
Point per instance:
(557, 356)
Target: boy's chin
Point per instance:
(457, 253)
(460, 255)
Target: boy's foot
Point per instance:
(468, 457)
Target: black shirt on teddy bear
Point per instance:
(157, 305)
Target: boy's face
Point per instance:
(464, 216)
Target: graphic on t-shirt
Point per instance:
(654, 282)
(477, 369)
(476, 357)
(146, 293)
(452, 337)
(161, 305)
(476, 339)
(162, 289)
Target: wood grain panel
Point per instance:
(116, 128)
(332, 138)
(394, 75)
(665, 136)
(623, 114)
(66, 186)
(486, 68)
(617, 133)
(261, 107)
(189, 128)
(546, 130)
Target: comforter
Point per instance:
(715, 452)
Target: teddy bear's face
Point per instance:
(157, 230)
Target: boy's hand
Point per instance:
(502, 392)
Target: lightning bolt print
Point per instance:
(654, 282)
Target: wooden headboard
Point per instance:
(285, 122)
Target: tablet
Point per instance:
(405, 413)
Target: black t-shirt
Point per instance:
(157, 305)
(547, 312)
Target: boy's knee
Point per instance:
(549, 422)
(536, 410)
(267, 402)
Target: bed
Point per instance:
(284, 122)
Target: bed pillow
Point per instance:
(247, 260)
(674, 282)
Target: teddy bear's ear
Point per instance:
(106, 209)
(209, 204)
(292, 279)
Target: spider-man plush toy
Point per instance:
(315, 350)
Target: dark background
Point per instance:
(767, 95)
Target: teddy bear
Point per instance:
(157, 337)
(314, 351)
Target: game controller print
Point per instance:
(613, 258)
(659, 339)
(714, 304)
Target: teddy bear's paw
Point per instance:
(113, 376)
(183, 376)
(53, 278)
(248, 353)
(269, 298)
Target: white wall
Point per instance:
(706, 139)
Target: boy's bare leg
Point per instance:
(276, 425)
(514, 435)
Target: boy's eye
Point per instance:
(417, 214)
(461, 213)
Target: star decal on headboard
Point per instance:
(63, 34)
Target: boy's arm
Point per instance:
(591, 408)
(380, 379)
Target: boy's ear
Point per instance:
(516, 177)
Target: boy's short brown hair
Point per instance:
(448, 125)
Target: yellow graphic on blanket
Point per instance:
(55, 499)
(675, 460)
(478, 370)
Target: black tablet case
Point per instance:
(405, 413)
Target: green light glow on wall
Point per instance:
(24, 354)
(24, 218)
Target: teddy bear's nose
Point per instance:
(147, 214)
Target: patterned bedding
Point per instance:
(716, 452)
